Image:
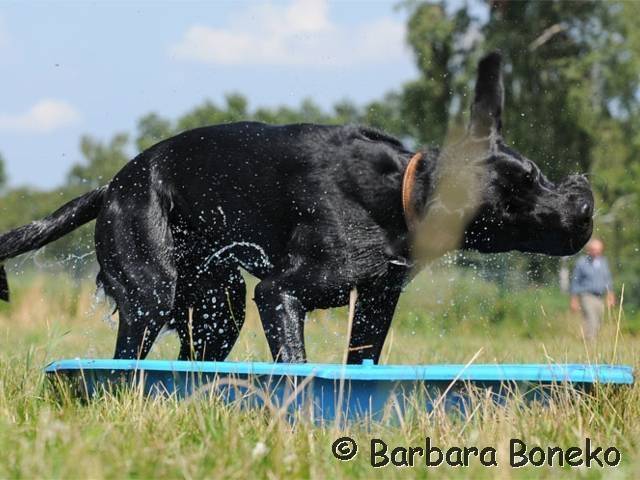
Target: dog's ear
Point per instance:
(486, 111)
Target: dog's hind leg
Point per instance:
(138, 328)
(143, 311)
(216, 319)
(135, 251)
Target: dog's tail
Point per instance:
(37, 234)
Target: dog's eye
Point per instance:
(529, 176)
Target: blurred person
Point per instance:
(591, 286)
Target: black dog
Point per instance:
(313, 211)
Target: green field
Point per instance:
(444, 316)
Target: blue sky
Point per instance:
(96, 67)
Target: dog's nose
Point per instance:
(585, 211)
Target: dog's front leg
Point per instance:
(282, 315)
(371, 322)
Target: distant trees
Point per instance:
(569, 69)
(102, 161)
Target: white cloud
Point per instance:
(45, 116)
(297, 34)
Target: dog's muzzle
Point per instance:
(577, 190)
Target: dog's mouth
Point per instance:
(558, 242)
(529, 237)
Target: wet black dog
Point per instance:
(313, 211)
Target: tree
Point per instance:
(346, 112)
(152, 128)
(102, 161)
(386, 114)
(236, 107)
(211, 114)
(441, 44)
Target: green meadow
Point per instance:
(445, 315)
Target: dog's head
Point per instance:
(496, 198)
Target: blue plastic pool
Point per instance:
(326, 391)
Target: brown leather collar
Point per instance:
(408, 182)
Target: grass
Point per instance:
(445, 316)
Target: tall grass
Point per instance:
(443, 317)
